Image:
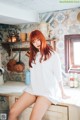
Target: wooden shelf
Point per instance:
(8, 45)
(20, 49)
(13, 43)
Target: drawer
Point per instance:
(50, 115)
(56, 112)
(58, 108)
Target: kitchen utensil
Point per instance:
(19, 66)
(11, 63)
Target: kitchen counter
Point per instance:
(74, 94)
(13, 88)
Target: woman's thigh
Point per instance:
(40, 107)
(22, 103)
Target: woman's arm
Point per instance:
(64, 96)
(58, 74)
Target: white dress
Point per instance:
(45, 77)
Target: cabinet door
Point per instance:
(4, 107)
(53, 113)
(12, 100)
(50, 115)
(26, 114)
(56, 113)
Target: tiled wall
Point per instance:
(61, 23)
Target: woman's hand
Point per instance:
(64, 96)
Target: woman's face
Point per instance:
(37, 44)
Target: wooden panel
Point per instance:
(55, 112)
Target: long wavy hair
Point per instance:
(45, 49)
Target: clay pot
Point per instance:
(10, 64)
(23, 37)
(19, 66)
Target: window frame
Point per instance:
(69, 53)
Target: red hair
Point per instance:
(45, 49)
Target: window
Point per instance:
(72, 53)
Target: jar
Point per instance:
(71, 80)
(76, 84)
(23, 37)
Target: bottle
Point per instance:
(76, 84)
(27, 77)
(71, 80)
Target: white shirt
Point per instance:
(45, 77)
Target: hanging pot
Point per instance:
(11, 63)
(19, 66)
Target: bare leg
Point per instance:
(40, 107)
(23, 102)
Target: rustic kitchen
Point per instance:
(61, 27)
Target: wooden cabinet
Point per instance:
(55, 112)
(13, 99)
(4, 107)
(74, 113)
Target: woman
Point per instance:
(46, 79)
